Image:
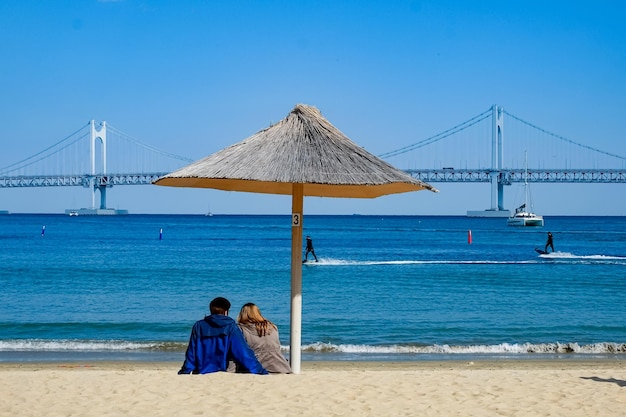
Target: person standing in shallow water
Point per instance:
(262, 337)
(309, 248)
(549, 243)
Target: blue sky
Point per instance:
(192, 77)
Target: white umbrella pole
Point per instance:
(297, 199)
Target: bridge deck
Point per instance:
(509, 176)
(505, 177)
(83, 180)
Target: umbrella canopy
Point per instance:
(302, 155)
(304, 148)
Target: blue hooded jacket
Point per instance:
(214, 342)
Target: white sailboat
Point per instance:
(522, 217)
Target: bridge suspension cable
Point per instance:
(446, 133)
(563, 138)
(31, 159)
(132, 140)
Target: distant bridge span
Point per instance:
(86, 181)
(83, 163)
(509, 176)
(505, 177)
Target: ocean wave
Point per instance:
(41, 345)
(503, 348)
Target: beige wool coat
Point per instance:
(266, 349)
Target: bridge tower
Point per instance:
(98, 179)
(497, 133)
(95, 135)
(497, 186)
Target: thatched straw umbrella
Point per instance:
(302, 155)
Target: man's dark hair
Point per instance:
(219, 305)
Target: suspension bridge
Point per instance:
(473, 152)
(98, 156)
(82, 159)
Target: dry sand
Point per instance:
(490, 388)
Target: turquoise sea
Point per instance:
(385, 287)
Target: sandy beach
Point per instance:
(490, 388)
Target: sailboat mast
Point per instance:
(526, 181)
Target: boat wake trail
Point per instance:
(567, 255)
(555, 256)
(345, 262)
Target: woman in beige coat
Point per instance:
(262, 337)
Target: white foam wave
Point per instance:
(74, 345)
(508, 348)
(34, 345)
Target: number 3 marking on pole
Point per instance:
(295, 219)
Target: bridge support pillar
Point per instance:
(497, 139)
(102, 135)
(98, 179)
(497, 186)
(103, 196)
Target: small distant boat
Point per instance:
(521, 216)
(73, 213)
(524, 218)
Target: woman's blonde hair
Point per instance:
(250, 313)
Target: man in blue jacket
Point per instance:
(215, 341)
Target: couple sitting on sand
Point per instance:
(217, 343)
